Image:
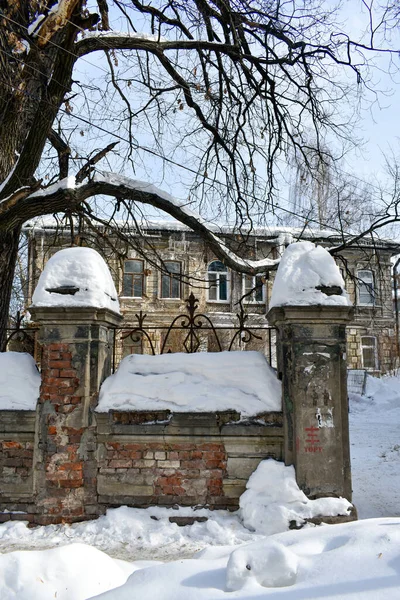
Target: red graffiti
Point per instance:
(312, 437)
(313, 449)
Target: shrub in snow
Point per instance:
(270, 564)
(76, 277)
(273, 499)
(19, 381)
(201, 382)
(307, 275)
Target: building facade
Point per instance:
(157, 269)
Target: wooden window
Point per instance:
(133, 281)
(218, 282)
(366, 288)
(171, 281)
(253, 288)
(369, 353)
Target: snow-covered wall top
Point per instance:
(201, 382)
(76, 277)
(19, 381)
(304, 273)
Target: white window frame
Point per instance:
(134, 274)
(171, 276)
(374, 347)
(368, 287)
(216, 286)
(250, 298)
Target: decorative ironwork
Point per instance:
(193, 324)
(24, 336)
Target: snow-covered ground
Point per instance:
(352, 561)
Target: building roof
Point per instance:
(277, 235)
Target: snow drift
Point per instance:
(201, 382)
(19, 381)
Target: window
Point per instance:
(133, 282)
(218, 282)
(366, 288)
(171, 281)
(253, 288)
(369, 354)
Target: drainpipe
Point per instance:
(396, 306)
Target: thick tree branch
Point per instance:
(66, 196)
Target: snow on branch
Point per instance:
(69, 195)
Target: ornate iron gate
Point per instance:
(194, 327)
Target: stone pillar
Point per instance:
(312, 366)
(77, 347)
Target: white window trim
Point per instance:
(248, 299)
(228, 284)
(359, 280)
(375, 347)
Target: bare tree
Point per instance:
(224, 86)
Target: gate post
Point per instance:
(76, 357)
(312, 366)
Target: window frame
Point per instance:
(251, 298)
(374, 347)
(369, 287)
(216, 286)
(165, 274)
(134, 275)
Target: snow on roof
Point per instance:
(19, 381)
(76, 277)
(305, 267)
(279, 235)
(201, 382)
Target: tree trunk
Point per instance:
(9, 242)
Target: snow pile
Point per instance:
(19, 381)
(305, 267)
(353, 560)
(271, 564)
(132, 533)
(201, 382)
(76, 277)
(273, 499)
(72, 572)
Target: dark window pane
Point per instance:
(175, 288)
(173, 267)
(259, 289)
(218, 266)
(223, 287)
(138, 286)
(127, 285)
(133, 266)
(165, 279)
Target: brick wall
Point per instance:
(17, 432)
(188, 459)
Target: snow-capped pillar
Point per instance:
(76, 357)
(312, 366)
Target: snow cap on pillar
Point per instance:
(76, 277)
(308, 275)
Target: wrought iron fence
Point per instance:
(193, 332)
(20, 338)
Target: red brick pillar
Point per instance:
(76, 358)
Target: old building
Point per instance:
(156, 270)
